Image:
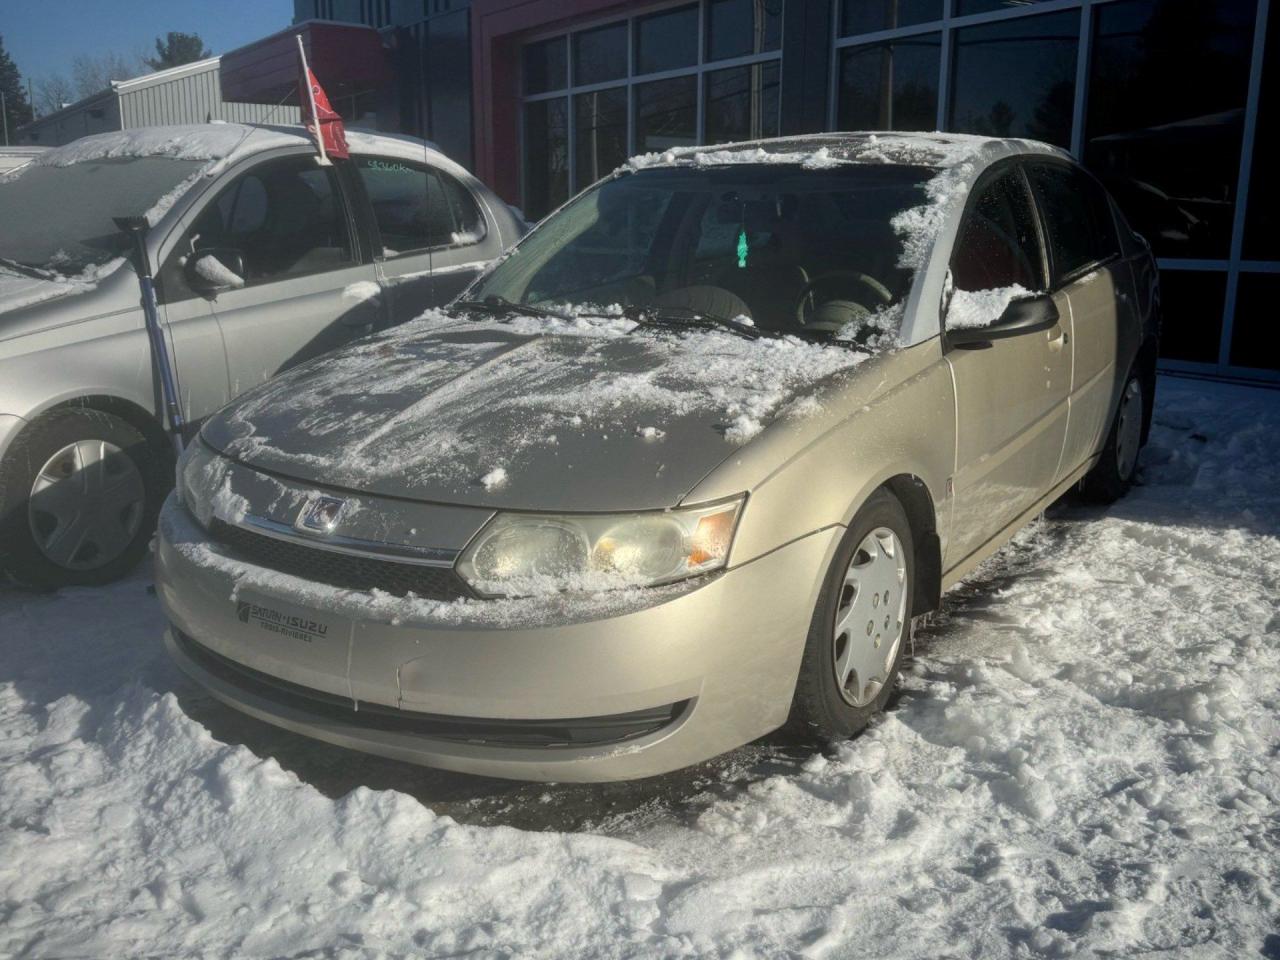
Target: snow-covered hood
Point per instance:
(19, 290)
(575, 414)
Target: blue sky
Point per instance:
(43, 36)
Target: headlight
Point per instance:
(525, 554)
(201, 473)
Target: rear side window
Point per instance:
(1078, 217)
(998, 246)
(418, 207)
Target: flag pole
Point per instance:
(311, 99)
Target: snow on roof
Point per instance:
(197, 141)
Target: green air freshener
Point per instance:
(742, 248)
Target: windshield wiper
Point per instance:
(496, 304)
(677, 317)
(28, 269)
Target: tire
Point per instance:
(823, 706)
(79, 493)
(1112, 476)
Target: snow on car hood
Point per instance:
(535, 413)
(19, 290)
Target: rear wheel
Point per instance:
(1112, 476)
(79, 493)
(861, 626)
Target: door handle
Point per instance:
(1060, 341)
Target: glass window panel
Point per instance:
(546, 156)
(1191, 302)
(545, 66)
(998, 245)
(666, 114)
(407, 204)
(667, 41)
(965, 7)
(1167, 91)
(600, 55)
(742, 103)
(890, 86)
(865, 16)
(1041, 53)
(1081, 228)
(736, 28)
(1253, 330)
(1262, 220)
(600, 134)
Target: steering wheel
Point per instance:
(804, 300)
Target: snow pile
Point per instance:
(969, 309)
(1084, 761)
(216, 272)
(495, 478)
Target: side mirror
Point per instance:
(1027, 315)
(213, 269)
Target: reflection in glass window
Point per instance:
(1165, 118)
(546, 156)
(890, 86)
(966, 7)
(665, 41)
(742, 103)
(1081, 227)
(1253, 331)
(736, 28)
(600, 55)
(600, 134)
(1262, 219)
(545, 66)
(1191, 305)
(666, 114)
(865, 16)
(1041, 53)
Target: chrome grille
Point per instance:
(340, 569)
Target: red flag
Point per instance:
(333, 135)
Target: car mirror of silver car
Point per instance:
(213, 269)
(1022, 316)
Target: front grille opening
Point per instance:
(339, 569)
(321, 706)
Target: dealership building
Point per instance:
(1167, 101)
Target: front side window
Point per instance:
(1081, 227)
(997, 256)
(788, 249)
(283, 219)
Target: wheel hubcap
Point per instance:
(86, 505)
(870, 617)
(1129, 429)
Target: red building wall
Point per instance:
(498, 28)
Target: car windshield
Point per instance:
(59, 217)
(777, 247)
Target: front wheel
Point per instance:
(79, 494)
(861, 626)
(1112, 476)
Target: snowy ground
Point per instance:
(1084, 761)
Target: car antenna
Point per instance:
(137, 228)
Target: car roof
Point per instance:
(219, 143)
(933, 150)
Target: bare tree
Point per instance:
(91, 74)
(53, 92)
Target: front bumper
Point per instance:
(705, 669)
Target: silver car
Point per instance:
(679, 470)
(264, 259)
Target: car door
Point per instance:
(433, 237)
(1084, 255)
(1011, 393)
(296, 286)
